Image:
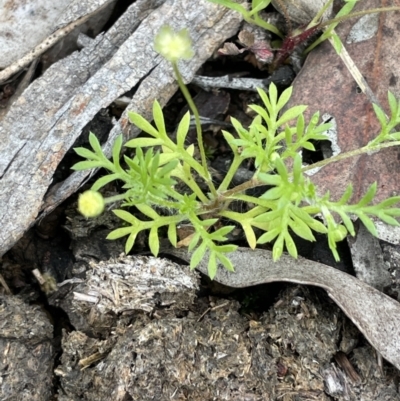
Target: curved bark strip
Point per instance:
(45, 121)
(375, 314)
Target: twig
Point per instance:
(38, 276)
(211, 309)
(248, 84)
(5, 286)
(356, 74)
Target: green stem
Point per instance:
(115, 198)
(264, 24)
(161, 221)
(192, 184)
(327, 33)
(259, 7)
(358, 14)
(236, 162)
(193, 108)
(319, 15)
(253, 183)
(241, 188)
(224, 199)
(331, 24)
(192, 162)
(351, 153)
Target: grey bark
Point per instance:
(115, 290)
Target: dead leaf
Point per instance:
(230, 49)
(246, 38)
(260, 52)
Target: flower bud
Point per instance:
(91, 203)
(173, 45)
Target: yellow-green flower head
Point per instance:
(173, 45)
(91, 203)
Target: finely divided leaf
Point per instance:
(290, 245)
(142, 124)
(87, 165)
(144, 142)
(183, 129)
(269, 236)
(116, 150)
(86, 153)
(95, 144)
(368, 223)
(154, 243)
(159, 118)
(369, 196)
(102, 181)
(212, 265)
(119, 232)
(130, 242)
(198, 255)
(126, 216)
(172, 234)
(291, 114)
(226, 262)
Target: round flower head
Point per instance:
(173, 45)
(91, 203)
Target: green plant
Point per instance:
(303, 33)
(273, 140)
(251, 16)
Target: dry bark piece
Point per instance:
(20, 30)
(282, 77)
(226, 81)
(375, 314)
(301, 11)
(391, 257)
(26, 350)
(124, 286)
(17, 90)
(46, 120)
(367, 257)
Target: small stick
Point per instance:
(248, 84)
(210, 309)
(5, 286)
(356, 74)
(38, 276)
